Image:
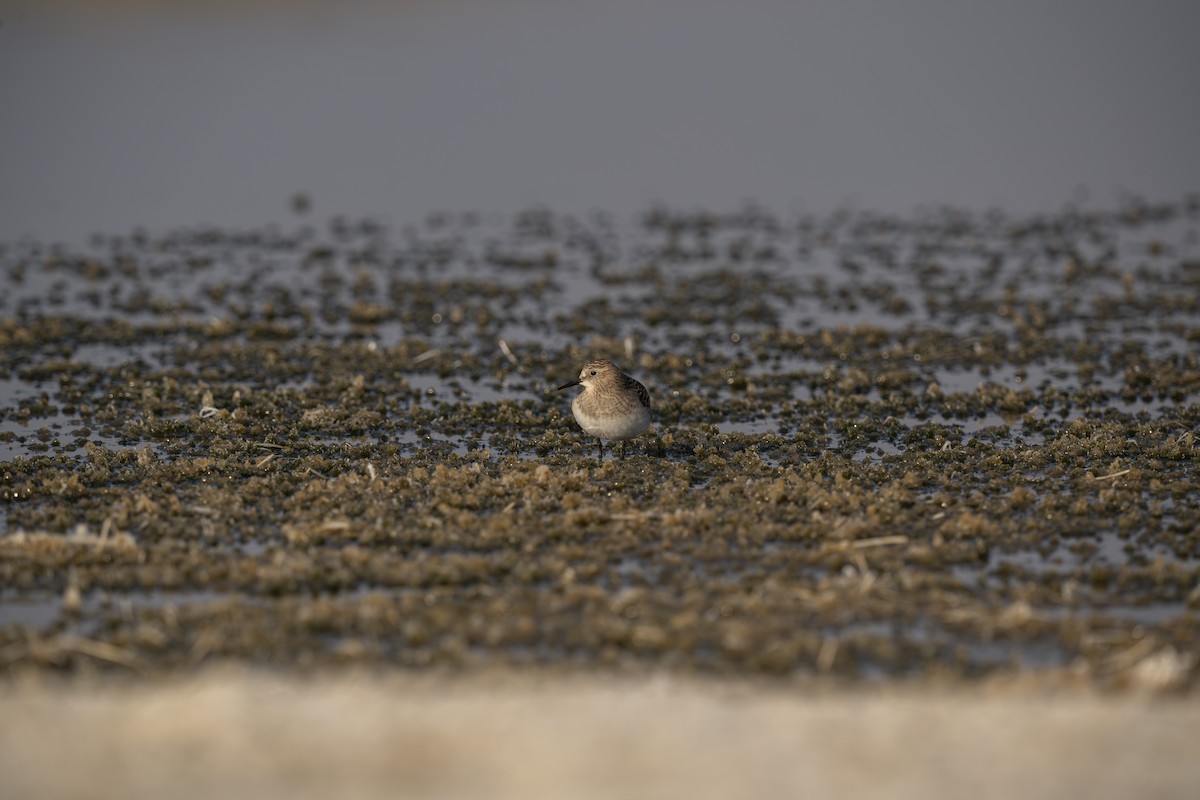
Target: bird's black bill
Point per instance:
(568, 385)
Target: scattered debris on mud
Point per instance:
(945, 446)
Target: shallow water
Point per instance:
(397, 109)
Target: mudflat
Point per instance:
(312, 487)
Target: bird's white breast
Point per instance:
(618, 426)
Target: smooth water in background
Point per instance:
(115, 119)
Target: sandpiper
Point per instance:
(612, 405)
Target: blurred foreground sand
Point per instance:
(233, 733)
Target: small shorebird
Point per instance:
(612, 405)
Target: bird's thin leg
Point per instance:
(600, 444)
(622, 450)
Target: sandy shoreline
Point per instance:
(249, 734)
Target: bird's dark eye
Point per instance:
(593, 372)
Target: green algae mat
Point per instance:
(950, 445)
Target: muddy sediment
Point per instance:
(945, 446)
